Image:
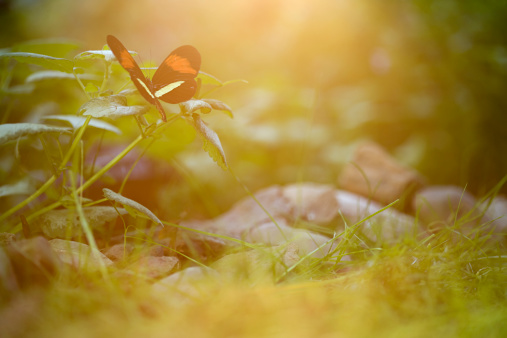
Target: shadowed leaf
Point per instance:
(211, 142)
(129, 204)
(113, 106)
(207, 79)
(22, 89)
(11, 131)
(22, 187)
(45, 61)
(193, 105)
(78, 121)
(98, 54)
(219, 105)
(57, 47)
(56, 75)
(66, 222)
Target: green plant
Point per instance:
(105, 99)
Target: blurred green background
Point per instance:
(425, 79)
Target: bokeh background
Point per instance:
(425, 79)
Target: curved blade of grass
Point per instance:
(173, 250)
(334, 238)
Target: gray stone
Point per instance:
(79, 255)
(313, 202)
(375, 174)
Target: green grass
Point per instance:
(442, 286)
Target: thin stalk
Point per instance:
(53, 178)
(7, 112)
(48, 156)
(82, 187)
(81, 84)
(124, 182)
(108, 166)
(36, 194)
(106, 77)
(75, 143)
(86, 227)
(258, 203)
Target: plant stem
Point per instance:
(81, 84)
(106, 77)
(84, 223)
(258, 203)
(89, 182)
(108, 166)
(125, 179)
(53, 178)
(36, 194)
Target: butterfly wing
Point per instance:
(126, 60)
(174, 80)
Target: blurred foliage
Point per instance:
(425, 79)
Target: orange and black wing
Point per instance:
(174, 80)
(126, 60)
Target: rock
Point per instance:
(442, 207)
(389, 226)
(119, 252)
(187, 282)
(79, 255)
(247, 213)
(17, 317)
(8, 281)
(305, 241)
(199, 246)
(496, 213)
(33, 261)
(65, 223)
(154, 251)
(6, 238)
(153, 266)
(443, 204)
(313, 202)
(257, 265)
(375, 174)
(354, 207)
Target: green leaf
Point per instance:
(226, 83)
(99, 54)
(128, 91)
(207, 79)
(22, 187)
(113, 106)
(91, 88)
(23, 89)
(45, 61)
(56, 75)
(57, 47)
(130, 204)
(11, 131)
(176, 137)
(191, 106)
(78, 121)
(211, 142)
(219, 105)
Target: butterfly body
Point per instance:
(173, 81)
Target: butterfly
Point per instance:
(173, 81)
